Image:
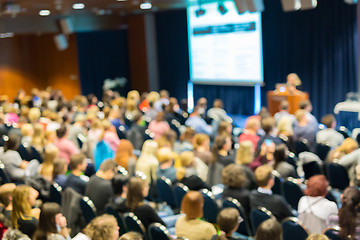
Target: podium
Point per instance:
(281, 93)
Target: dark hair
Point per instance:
(61, 131)
(135, 193)
(218, 144)
(328, 120)
(12, 143)
(267, 124)
(47, 222)
(348, 212)
(118, 182)
(269, 229)
(279, 154)
(227, 220)
(59, 165)
(233, 175)
(107, 165)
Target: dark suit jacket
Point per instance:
(276, 204)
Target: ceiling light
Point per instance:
(44, 12)
(146, 5)
(78, 6)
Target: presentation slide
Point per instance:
(224, 49)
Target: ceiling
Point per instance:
(15, 8)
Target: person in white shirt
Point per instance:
(329, 135)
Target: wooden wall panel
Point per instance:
(30, 61)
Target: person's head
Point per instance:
(329, 121)
(164, 93)
(269, 229)
(350, 199)
(293, 79)
(49, 218)
(77, 162)
(228, 220)
(347, 146)
(253, 123)
(120, 184)
(12, 143)
(131, 236)
(192, 205)
(305, 105)
(34, 114)
(187, 135)
(60, 167)
(221, 142)
(187, 158)
(160, 116)
(164, 155)
(108, 169)
(300, 115)
(103, 227)
(245, 153)
(317, 236)
(201, 139)
(225, 128)
(61, 131)
(27, 129)
(138, 189)
(317, 186)
(234, 176)
(263, 176)
(24, 198)
(284, 105)
(280, 153)
(268, 124)
(6, 192)
(285, 126)
(149, 147)
(50, 154)
(218, 103)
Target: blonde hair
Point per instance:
(164, 154)
(284, 126)
(152, 97)
(199, 139)
(27, 129)
(317, 236)
(133, 95)
(34, 114)
(102, 227)
(299, 114)
(347, 146)
(21, 205)
(245, 153)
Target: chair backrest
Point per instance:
(332, 233)
(134, 224)
(293, 229)
(119, 218)
(277, 188)
(165, 191)
(292, 192)
(338, 176)
(3, 173)
(300, 146)
(244, 226)
(179, 192)
(55, 193)
(121, 132)
(259, 215)
(211, 208)
(344, 131)
(311, 169)
(322, 150)
(156, 231)
(87, 208)
(291, 159)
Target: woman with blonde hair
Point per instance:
(190, 225)
(23, 216)
(245, 153)
(47, 167)
(147, 162)
(347, 146)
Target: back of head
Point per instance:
(328, 120)
(218, 144)
(149, 147)
(164, 94)
(263, 175)
(192, 205)
(135, 192)
(186, 158)
(233, 175)
(267, 124)
(317, 186)
(245, 153)
(131, 236)
(347, 146)
(200, 139)
(284, 105)
(6, 192)
(299, 114)
(48, 213)
(21, 205)
(280, 153)
(108, 165)
(269, 230)
(317, 236)
(164, 154)
(218, 103)
(118, 182)
(103, 227)
(228, 219)
(12, 143)
(253, 123)
(304, 104)
(75, 160)
(348, 212)
(61, 131)
(59, 167)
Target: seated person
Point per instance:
(189, 225)
(23, 216)
(314, 209)
(263, 196)
(329, 135)
(267, 124)
(59, 170)
(228, 221)
(269, 229)
(131, 236)
(6, 192)
(250, 133)
(120, 188)
(103, 227)
(76, 179)
(99, 188)
(303, 129)
(166, 164)
(138, 189)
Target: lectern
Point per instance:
(281, 93)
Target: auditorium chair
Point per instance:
(293, 229)
(332, 233)
(211, 208)
(179, 192)
(259, 215)
(292, 192)
(134, 224)
(119, 218)
(165, 191)
(87, 208)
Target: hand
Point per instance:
(60, 220)
(23, 164)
